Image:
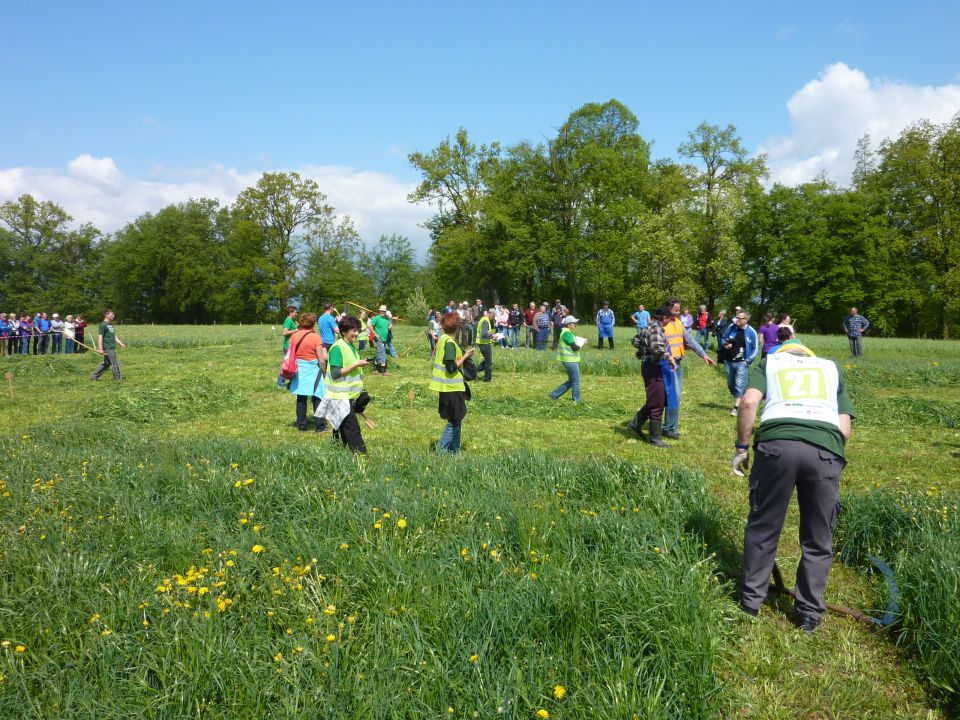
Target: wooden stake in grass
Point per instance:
(368, 421)
(10, 384)
(409, 397)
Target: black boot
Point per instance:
(638, 421)
(656, 437)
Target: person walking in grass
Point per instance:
(656, 364)
(344, 397)
(768, 332)
(289, 328)
(311, 361)
(447, 380)
(485, 343)
(679, 339)
(855, 326)
(740, 343)
(568, 353)
(381, 331)
(805, 424)
(107, 342)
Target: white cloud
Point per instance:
(831, 113)
(95, 190)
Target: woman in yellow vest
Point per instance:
(485, 343)
(568, 353)
(344, 396)
(448, 381)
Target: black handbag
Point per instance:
(468, 370)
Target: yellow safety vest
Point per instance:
(347, 386)
(442, 381)
(674, 333)
(483, 324)
(564, 353)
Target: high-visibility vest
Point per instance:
(349, 385)
(801, 388)
(441, 380)
(564, 353)
(483, 326)
(674, 333)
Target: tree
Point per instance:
(391, 268)
(718, 183)
(294, 218)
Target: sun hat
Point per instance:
(383, 308)
(569, 320)
(55, 315)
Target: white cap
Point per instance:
(55, 315)
(569, 320)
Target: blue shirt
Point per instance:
(44, 325)
(327, 325)
(642, 318)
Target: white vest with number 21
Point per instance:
(801, 388)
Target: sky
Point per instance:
(116, 109)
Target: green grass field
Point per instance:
(172, 547)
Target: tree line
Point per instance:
(587, 215)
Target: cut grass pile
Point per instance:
(163, 401)
(918, 534)
(214, 579)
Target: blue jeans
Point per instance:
(736, 377)
(671, 420)
(450, 438)
(543, 336)
(703, 337)
(390, 348)
(572, 383)
(381, 348)
(71, 344)
(513, 337)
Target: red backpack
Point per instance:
(289, 367)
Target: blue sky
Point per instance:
(174, 97)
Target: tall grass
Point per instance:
(222, 579)
(919, 535)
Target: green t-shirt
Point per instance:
(381, 326)
(288, 324)
(335, 357)
(109, 336)
(815, 432)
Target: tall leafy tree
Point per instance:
(718, 177)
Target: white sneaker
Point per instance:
(734, 412)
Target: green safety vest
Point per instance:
(348, 386)
(484, 323)
(564, 353)
(442, 381)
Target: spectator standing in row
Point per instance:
(107, 342)
(641, 319)
(515, 321)
(70, 334)
(605, 322)
(529, 326)
(704, 324)
(719, 328)
(80, 329)
(4, 333)
(787, 322)
(855, 325)
(557, 315)
(768, 332)
(740, 344)
(44, 327)
(502, 318)
(542, 321)
(679, 340)
(433, 330)
(686, 319)
(56, 333)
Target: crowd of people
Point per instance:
(40, 334)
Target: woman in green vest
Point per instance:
(344, 396)
(568, 353)
(485, 343)
(448, 381)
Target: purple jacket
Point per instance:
(769, 335)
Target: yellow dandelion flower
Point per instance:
(377, 525)
(559, 692)
(5, 644)
(94, 618)
(248, 481)
(386, 515)
(106, 632)
(230, 563)
(243, 521)
(237, 484)
(309, 621)
(474, 658)
(278, 657)
(146, 623)
(402, 523)
(351, 619)
(234, 466)
(20, 649)
(257, 549)
(541, 713)
(330, 610)
(344, 546)
(331, 637)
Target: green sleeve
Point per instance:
(335, 358)
(449, 353)
(844, 406)
(569, 338)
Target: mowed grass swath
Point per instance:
(171, 546)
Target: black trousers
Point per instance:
(349, 433)
(655, 389)
(320, 423)
(556, 337)
(487, 363)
